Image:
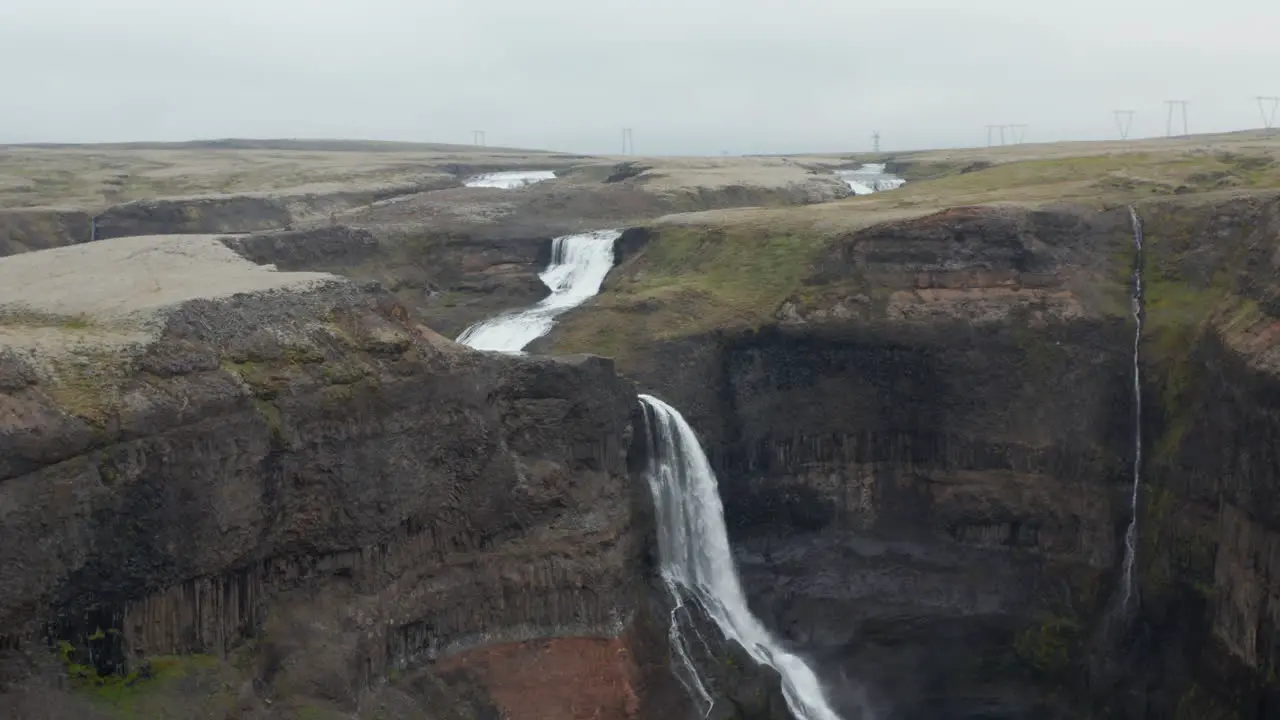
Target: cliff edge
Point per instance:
(281, 493)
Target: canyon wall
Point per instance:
(1212, 389)
(24, 230)
(304, 481)
(924, 454)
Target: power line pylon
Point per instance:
(1168, 129)
(1268, 118)
(1124, 122)
(875, 140)
(477, 137)
(628, 142)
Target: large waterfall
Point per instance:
(578, 266)
(696, 560)
(697, 565)
(1128, 588)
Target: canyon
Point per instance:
(244, 473)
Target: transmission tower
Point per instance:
(477, 137)
(1017, 133)
(875, 140)
(1168, 129)
(628, 143)
(1268, 118)
(1124, 122)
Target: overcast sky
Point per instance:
(690, 76)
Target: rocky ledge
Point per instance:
(281, 492)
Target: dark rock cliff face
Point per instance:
(319, 486)
(241, 213)
(450, 279)
(925, 462)
(37, 229)
(1209, 515)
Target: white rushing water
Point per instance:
(696, 564)
(870, 178)
(510, 180)
(1128, 589)
(579, 264)
(696, 561)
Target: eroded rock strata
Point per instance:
(924, 456)
(294, 498)
(300, 479)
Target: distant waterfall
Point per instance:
(696, 562)
(93, 228)
(1129, 590)
(579, 264)
(870, 178)
(510, 180)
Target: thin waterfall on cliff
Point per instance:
(1128, 589)
(93, 229)
(579, 264)
(696, 562)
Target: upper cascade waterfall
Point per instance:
(510, 180)
(870, 178)
(1128, 589)
(579, 264)
(696, 561)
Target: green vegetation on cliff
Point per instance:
(691, 280)
(733, 269)
(156, 687)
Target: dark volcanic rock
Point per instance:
(24, 230)
(312, 481)
(925, 461)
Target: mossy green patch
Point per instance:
(88, 383)
(693, 279)
(141, 694)
(20, 317)
(267, 380)
(345, 373)
(271, 414)
(1050, 645)
(1174, 551)
(1198, 704)
(302, 355)
(1041, 355)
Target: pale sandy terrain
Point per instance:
(116, 291)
